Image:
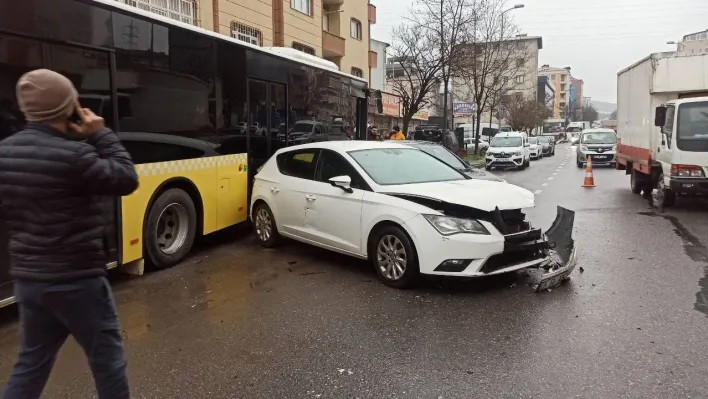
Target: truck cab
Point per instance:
(682, 153)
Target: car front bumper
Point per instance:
(511, 161)
(477, 255)
(689, 185)
(604, 158)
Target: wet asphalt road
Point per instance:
(237, 321)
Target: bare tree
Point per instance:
(589, 113)
(524, 114)
(488, 58)
(415, 66)
(446, 22)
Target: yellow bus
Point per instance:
(198, 111)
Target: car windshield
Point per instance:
(544, 140)
(693, 121)
(506, 142)
(533, 140)
(442, 154)
(302, 128)
(390, 166)
(574, 129)
(599, 138)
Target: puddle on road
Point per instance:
(694, 249)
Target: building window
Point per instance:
(520, 62)
(180, 10)
(505, 79)
(305, 49)
(356, 29)
(246, 33)
(519, 79)
(357, 72)
(304, 6)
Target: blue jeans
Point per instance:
(49, 312)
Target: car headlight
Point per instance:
(447, 225)
(583, 148)
(517, 153)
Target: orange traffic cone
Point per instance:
(589, 179)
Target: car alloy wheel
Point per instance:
(264, 224)
(391, 258)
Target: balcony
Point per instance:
(332, 45)
(373, 59)
(372, 14)
(332, 2)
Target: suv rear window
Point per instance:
(300, 164)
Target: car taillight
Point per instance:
(686, 171)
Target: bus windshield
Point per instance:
(693, 121)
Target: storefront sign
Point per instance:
(421, 116)
(463, 109)
(391, 105)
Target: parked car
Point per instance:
(598, 144)
(483, 144)
(404, 210)
(535, 148)
(548, 145)
(452, 159)
(508, 149)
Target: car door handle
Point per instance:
(310, 197)
(274, 190)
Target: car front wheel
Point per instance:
(394, 258)
(264, 226)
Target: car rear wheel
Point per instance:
(394, 257)
(170, 229)
(264, 226)
(635, 183)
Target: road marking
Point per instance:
(537, 192)
(550, 178)
(544, 184)
(555, 173)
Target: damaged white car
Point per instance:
(405, 211)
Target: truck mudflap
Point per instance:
(562, 251)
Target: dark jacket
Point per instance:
(53, 194)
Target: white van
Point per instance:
(508, 149)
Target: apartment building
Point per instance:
(336, 30)
(520, 80)
(560, 80)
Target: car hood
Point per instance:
(507, 150)
(484, 195)
(481, 174)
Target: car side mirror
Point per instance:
(343, 182)
(660, 116)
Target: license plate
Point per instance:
(503, 159)
(599, 157)
(558, 276)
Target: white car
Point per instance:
(508, 149)
(535, 148)
(401, 208)
(482, 146)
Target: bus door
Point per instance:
(267, 122)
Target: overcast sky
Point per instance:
(595, 38)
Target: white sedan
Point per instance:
(404, 210)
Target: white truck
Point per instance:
(662, 125)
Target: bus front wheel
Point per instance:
(170, 229)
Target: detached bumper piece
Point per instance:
(554, 251)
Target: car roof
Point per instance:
(508, 134)
(598, 130)
(346, 145)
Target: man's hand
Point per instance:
(90, 122)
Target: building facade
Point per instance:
(576, 93)
(378, 75)
(337, 30)
(559, 79)
(693, 44)
(521, 78)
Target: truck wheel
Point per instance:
(666, 198)
(170, 229)
(635, 183)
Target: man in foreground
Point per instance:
(56, 175)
